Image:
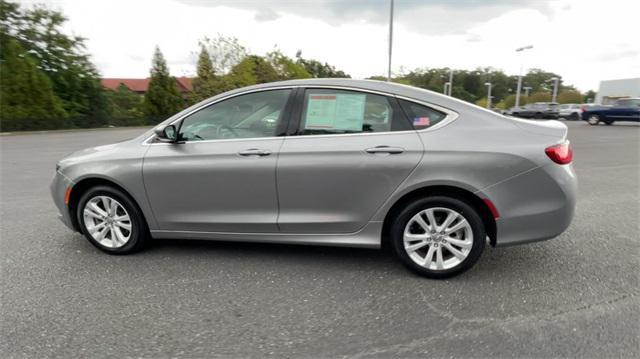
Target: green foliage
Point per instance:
(162, 98)
(285, 67)
(482, 102)
(27, 100)
(127, 107)
(61, 57)
(540, 97)
(570, 97)
(589, 96)
(206, 83)
(225, 52)
(510, 101)
(317, 69)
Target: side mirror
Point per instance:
(167, 133)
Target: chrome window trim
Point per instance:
(450, 115)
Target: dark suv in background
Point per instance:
(535, 110)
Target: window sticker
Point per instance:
(343, 112)
(421, 121)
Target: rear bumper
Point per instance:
(536, 205)
(58, 190)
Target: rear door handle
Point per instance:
(254, 152)
(385, 149)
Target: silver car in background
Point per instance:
(328, 162)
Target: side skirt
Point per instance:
(368, 237)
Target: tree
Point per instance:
(540, 97)
(206, 83)
(27, 100)
(225, 52)
(317, 69)
(61, 57)
(162, 98)
(510, 101)
(285, 67)
(570, 97)
(589, 96)
(127, 106)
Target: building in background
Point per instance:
(141, 86)
(611, 90)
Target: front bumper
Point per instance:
(536, 205)
(58, 189)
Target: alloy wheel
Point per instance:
(107, 221)
(594, 120)
(438, 238)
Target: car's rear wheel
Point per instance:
(538, 115)
(593, 120)
(111, 221)
(574, 117)
(438, 237)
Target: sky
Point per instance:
(582, 40)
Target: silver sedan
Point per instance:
(328, 162)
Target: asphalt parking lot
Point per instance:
(576, 295)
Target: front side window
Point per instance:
(328, 111)
(421, 116)
(246, 116)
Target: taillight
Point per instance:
(560, 153)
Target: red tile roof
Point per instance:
(141, 85)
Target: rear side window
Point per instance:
(421, 116)
(328, 111)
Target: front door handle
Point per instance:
(385, 149)
(254, 152)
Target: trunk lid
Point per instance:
(551, 128)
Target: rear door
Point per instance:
(348, 152)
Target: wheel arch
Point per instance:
(442, 190)
(83, 185)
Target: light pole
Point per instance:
(446, 88)
(488, 84)
(526, 90)
(390, 40)
(555, 88)
(450, 81)
(520, 49)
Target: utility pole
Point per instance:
(390, 40)
(445, 90)
(555, 88)
(450, 81)
(520, 49)
(488, 84)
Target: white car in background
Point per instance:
(570, 111)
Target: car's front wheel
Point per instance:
(574, 117)
(438, 237)
(111, 221)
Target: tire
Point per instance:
(115, 237)
(574, 117)
(472, 235)
(594, 120)
(538, 115)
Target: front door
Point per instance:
(221, 176)
(351, 150)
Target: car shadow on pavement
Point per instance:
(503, 262)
